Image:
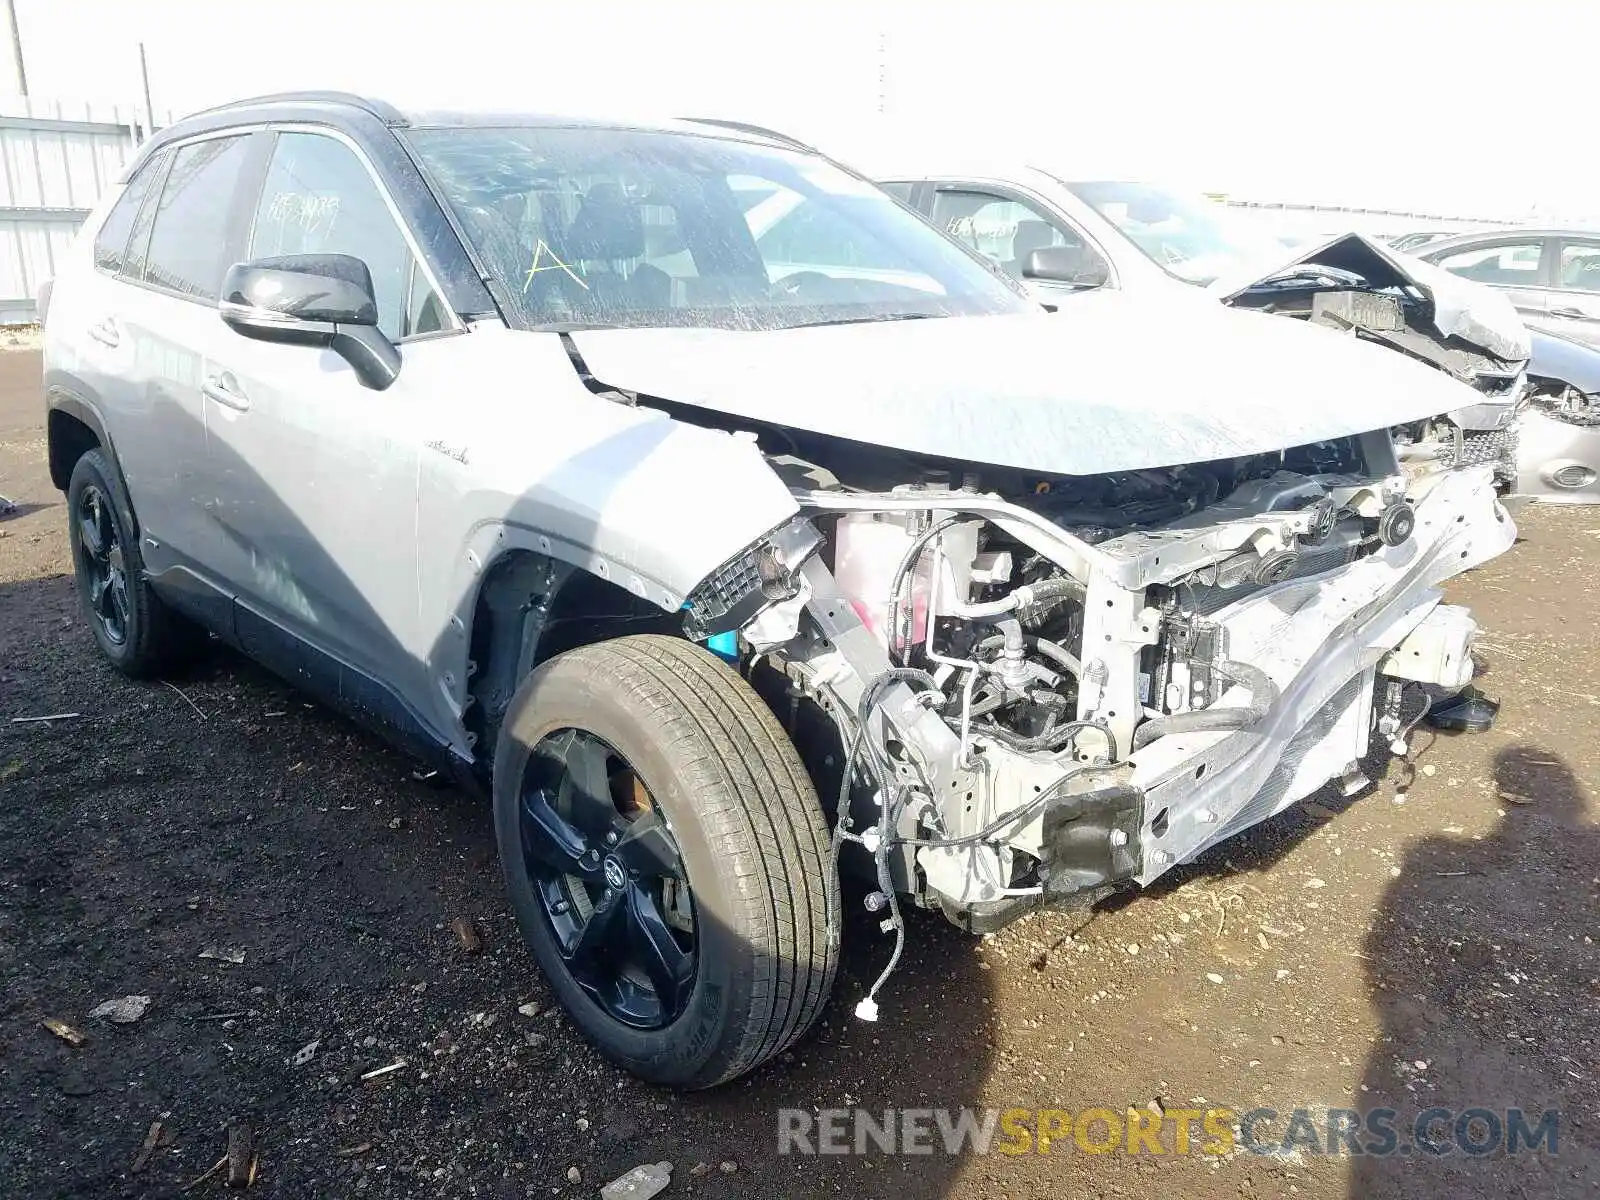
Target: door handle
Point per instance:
(221, 389)
(106, 333)
(1565, 311)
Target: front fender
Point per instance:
(649, 503)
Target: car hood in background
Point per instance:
(1474, 313)
(1113, 384)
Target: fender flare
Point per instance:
(60, 398)
(487, 548)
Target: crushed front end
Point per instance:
(1023, 688)
(1363, 288)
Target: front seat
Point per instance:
(609, 229)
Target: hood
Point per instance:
(1112, 384)
(1478, 315)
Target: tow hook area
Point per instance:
(1438, 653)
(1090, 839)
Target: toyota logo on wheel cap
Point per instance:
(616, 874)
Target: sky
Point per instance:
(1460, 109)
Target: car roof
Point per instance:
(1484, 236)
(282, 106)
(892, 166)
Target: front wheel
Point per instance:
(666, 858)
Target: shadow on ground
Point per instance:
(1481, 962)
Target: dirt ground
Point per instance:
(1427, 943)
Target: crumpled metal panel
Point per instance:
(1476, 314)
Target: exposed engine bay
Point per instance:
(1020, 688)
(1043, 626)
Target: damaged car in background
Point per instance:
(724, 567)
(1062, 236)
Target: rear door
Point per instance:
(316, 474)
(1574, 304)
(88, 357)
(156, 320)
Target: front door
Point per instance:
(1006, 229)
(316, 473)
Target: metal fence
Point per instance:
(55, 161)
(1323, 220)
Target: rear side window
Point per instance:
(111, 243)
(189, 241)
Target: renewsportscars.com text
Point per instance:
(1378, 1132)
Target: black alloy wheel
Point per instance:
(666, 858)
(104, 563)
(609, 877)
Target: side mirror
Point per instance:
(312, 300)
(1072, 265)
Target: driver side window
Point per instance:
(1002, 229)
(319, 198)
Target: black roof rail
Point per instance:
(755, 130)
(384, 111)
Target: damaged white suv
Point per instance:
(510, 437)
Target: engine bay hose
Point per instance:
(1045, 591)
(1263, 695)
(1054, 651)
(918, 545)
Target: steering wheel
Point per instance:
(796, 283)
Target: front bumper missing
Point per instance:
(1324, 640)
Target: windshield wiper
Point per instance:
(867, 320)
(573, 326)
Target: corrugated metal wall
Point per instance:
(55, 160)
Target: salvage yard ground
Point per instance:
(1428, 943)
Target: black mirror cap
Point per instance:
(1066, 264)
(313, 300)
(325, 289)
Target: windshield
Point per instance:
(1190, 236)
(627, 228)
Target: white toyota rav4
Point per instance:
(719, 563)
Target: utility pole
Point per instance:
(16, 46)
(883, 70)
(144, 77)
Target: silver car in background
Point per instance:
(1552, 276)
